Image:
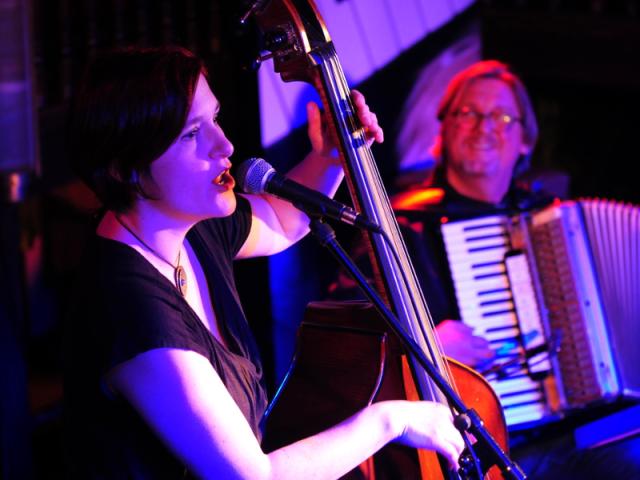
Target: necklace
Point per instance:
(179, 273)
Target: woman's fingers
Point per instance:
(368, 119)
(430, 425)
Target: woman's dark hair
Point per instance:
(130, 106)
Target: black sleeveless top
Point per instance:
(122, 307)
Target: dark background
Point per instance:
(579, 60)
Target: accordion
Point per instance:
(557, 294)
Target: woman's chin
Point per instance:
(226, 205)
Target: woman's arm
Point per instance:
(182, 398)
(277, 224)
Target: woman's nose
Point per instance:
(221, 147)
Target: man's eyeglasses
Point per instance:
(469, 118)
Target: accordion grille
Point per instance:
(563, 302)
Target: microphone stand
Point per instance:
(467, 419)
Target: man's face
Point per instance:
(478, 139)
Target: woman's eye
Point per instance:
(191, 134)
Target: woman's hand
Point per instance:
(369, 120)
(428, 425)
(322, 141)
(277, 224)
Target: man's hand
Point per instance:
(459, 343)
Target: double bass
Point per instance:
(347, 357)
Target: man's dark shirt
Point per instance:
(421, 229)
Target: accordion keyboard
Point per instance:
(483, 280)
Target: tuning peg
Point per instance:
(255, 65)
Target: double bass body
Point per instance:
(346, 359)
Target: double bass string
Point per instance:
(371, 184)
(378, 196)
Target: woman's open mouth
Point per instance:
(225, 180)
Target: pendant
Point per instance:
(180, 278)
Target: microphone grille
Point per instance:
(252, 175)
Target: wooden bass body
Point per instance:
(346, 359)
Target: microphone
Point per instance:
(257, 176)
